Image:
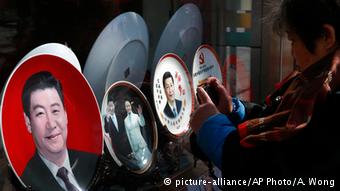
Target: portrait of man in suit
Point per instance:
(173, 106)
(53, 166)
(114, 126)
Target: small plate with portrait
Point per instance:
(130, 127)
(173, 94)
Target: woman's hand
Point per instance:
(225, 104)
(139, 110)
(203, 111)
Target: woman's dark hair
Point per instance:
(306, 18)
(39, 81)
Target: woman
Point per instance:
(132, 123)
(296, 132)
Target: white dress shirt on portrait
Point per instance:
(173, 107)
(114, 119)
(54, 170)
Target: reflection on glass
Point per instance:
(239, 71)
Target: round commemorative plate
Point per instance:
(173, 94)
(50, 124)
(130, 127)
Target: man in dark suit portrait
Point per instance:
(114, 126)
(53, 167)
(173, 106)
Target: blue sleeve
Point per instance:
(239, 111)
(212, 135)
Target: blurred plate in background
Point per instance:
(182, 35)
(119, 53)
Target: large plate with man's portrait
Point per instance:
(130, 127)
(51, 125)
(206, 64)
(173, 94)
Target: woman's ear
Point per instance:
(329, 38)
(28, 123)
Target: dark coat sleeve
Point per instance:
(311, 153)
